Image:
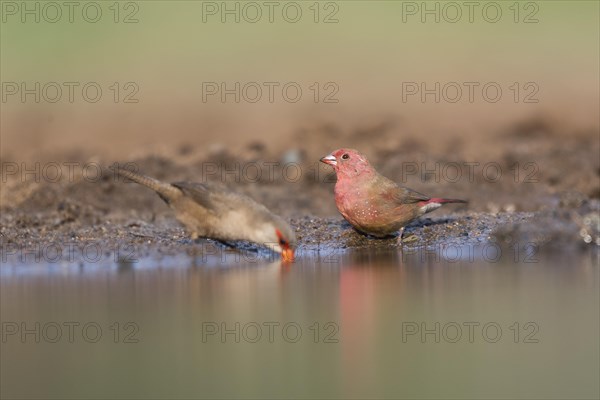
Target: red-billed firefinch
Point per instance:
(372, 203)
(212, 211)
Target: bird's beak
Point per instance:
(287, 255)
(329, 160)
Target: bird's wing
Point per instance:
(217, 197)
(401, 194)
(208, 195)
(408, 196)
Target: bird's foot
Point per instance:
(406, 239)
(410, 238)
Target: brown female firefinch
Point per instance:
(372, 203)
(212, 211)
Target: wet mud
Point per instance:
(547, 195)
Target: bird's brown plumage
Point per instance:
(211, 210)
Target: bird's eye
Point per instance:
(282, 242)
(345, 156)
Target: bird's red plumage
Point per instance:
(372, 203)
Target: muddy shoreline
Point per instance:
(547, 196)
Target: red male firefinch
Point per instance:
(372, 203)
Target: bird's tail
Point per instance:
(444, 201)
(166, 191)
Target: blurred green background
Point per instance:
(368, 53)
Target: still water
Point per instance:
(381, 324)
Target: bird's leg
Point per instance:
(406, 239)
(195, 236)
(399, 238)
(225, 244)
